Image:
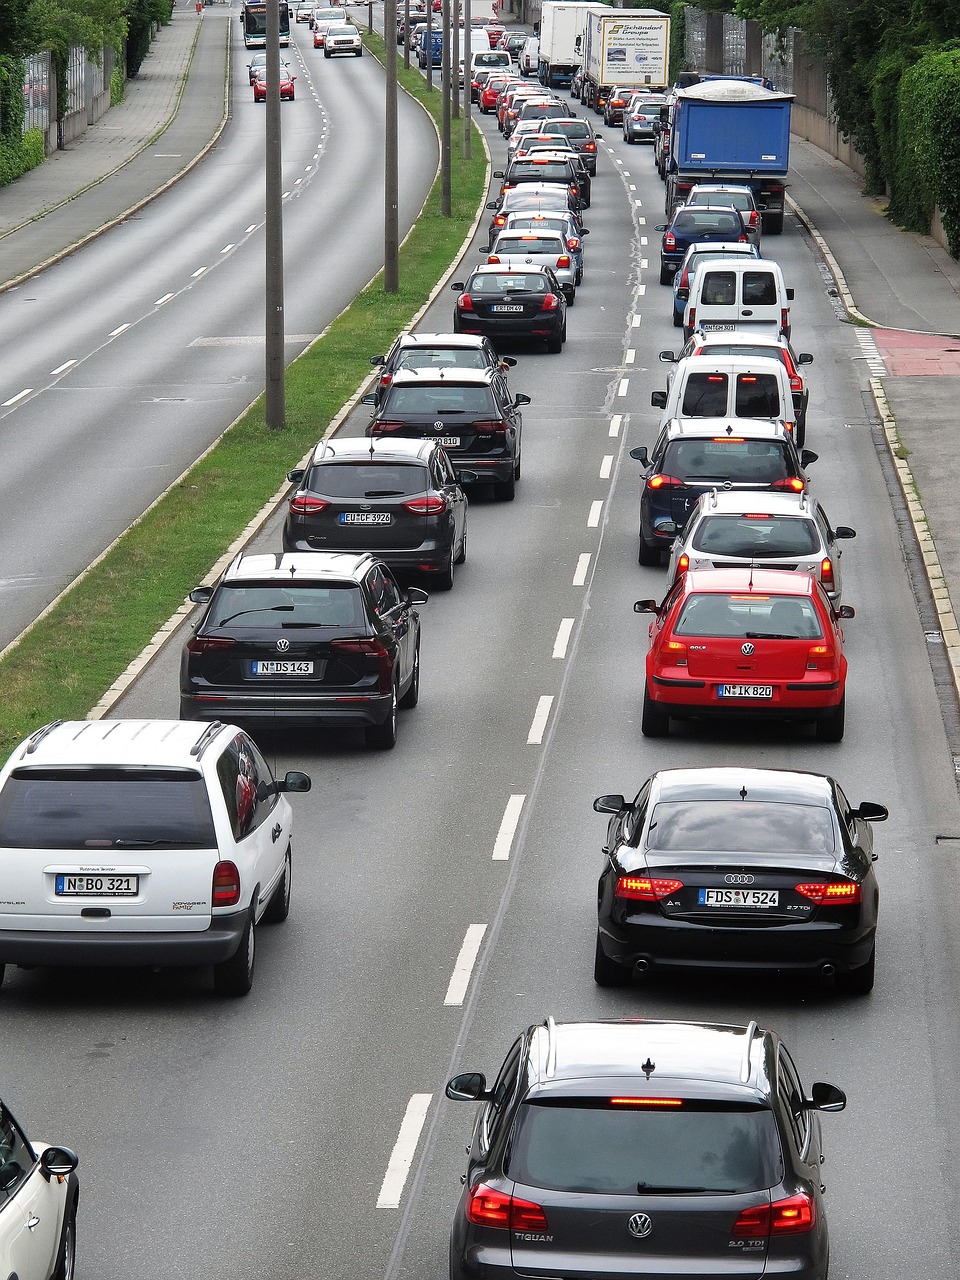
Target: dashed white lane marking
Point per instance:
(641, 222)
(583, 568)
(635, 321)
(113, 332)
(870, 353)
(160, 301)
(286, 195)
(199, 272)
(641, 290)
(633, 186)
(19, 396)
(644, 264)
(404, 1150)
(227, 247)
(297, 181)
(252, 227)
(540, 717)
(593, 519)
(508, 828)
(643, 242)
(638, 203)
(624, 384)
(606, 466)
(630, 356)
(615, 423)
(463, 969)
(563, 637)
(61, 368)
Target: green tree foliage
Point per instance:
(927, 166)
(16, 39)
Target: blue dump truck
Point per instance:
(731, 131)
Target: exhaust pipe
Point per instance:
(641, 966)
(828, 970)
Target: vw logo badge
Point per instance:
(438, 426)
(283, 646)
(639, 1226)
(746, 649)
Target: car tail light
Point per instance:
(226, 885)
(683, 564)
(646, 888)
(669, 240)
(742, 239)
(792, 1216)
(209, 644)
(693, 318)
(661, 481)
(589, 146)
(432, 505)
(646, 1102)
(784, 318)
(754, 218)
(573, 243)
(616, 102)
(386, 379)
(370, 648)
(384, 426)
(844, 892)
(493, 259)
(675, 652)
(821, 657)
(796, 382)
(500, 220)
(827, 580)
(487, 1207)
(305, 504)
(563, 260)
(793, 483)
(684, 278)
(550, 302)
(491, 427)
(464, 302)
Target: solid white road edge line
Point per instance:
(462, 970)
(403, 1152)
(539, 726)
(563, 637)
(508, 828)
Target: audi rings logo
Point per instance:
(283, 646)
(746, 649)
(639, 1226)
(742, 879)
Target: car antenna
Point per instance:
(743, 793)
(648, 1067)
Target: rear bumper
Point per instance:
(792, 700)
(549, 325)
(125, 950)
(433, 551)
(322, 711)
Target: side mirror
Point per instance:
(201, 595)
(58, 1162)
(521, 399)
(485, 248)
(825, 1097)
(493, 205)
(790, 293)
(499, 173)
(508, 362)
(807, 456)
(869, 811)
(661, 226)
(369, 398)
(585, 231)
(378, 359)
(658, 399)
(646, 606)
(599, 136)
(640, 455)
(609, 804)
(296, 475)
(458, 286)
(844, 531)
(415, 595)
(846, 611)
(469, 1086)
(667, 357)
(294, 780)
(804, 358)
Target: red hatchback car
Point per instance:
(286, 85)
(745, 642)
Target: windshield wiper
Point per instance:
(274, 608)
(650, 1188)
(768, 635)
(383, 493)
(144, 844)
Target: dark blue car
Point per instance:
(693, 224)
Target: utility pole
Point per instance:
(429, 44)
(467, 77)
(446, 200)
(406, 35)
(391, 177)
(455, 58)
(273, 224)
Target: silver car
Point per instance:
(641, 113)
(740, 198)
(537, 249)
(787, 531)
(562, 222)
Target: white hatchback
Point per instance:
(143, 842)
(38, 1206)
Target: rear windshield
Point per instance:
(100, 808)
(740, 461)
(572, 129)
(441, 398)
(515, 282)
(736, 199)
(749, 617)
(540, 170)
(367, 479)
(442, 358)
(756, 535)
(741, 826)
(693, 221)
(285, 604)
(591, 1147)
(529, 244)
(535, 223)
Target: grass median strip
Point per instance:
(61, 667)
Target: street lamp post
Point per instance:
(273, 226)
(391, 216)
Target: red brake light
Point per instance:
(646, 1102)
(384, 425)
(693, 317)
(794, 483)
(844, 892)
(432, 505)
(683, 564)
(589, 146)
(796, 382)
(372, 648)
(826, 574)
(675, 652)
(493, 427)
(669, 240)
(563, 260)
(550, 302)
(646, 888)
(664, 482)
(573, 243)
(754, 217)
(464, 302)
(487, 1207)
(493, 259)
(784, 318)
(226, 885)
(784, 1217)
(209, 644)
(305, 504)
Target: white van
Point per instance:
(727, 387)
(483, 56)
(737, 293)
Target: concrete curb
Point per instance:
(933, 570)
(173, 624)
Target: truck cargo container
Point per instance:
(562, 32)
(629, 48)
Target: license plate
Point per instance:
(97, 886)
(449, 442)
(503, 306)
(738, 897)
(716, 327)
(270, 667)
(745, 691)
(365, 517)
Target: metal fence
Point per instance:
(723, 43)
(36, 91)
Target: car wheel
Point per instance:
(649, 555)
(606, 972)
(67, 1253)
(773, 224)
(801, 430)
(444, 581)
(555, 345)
(325, 54)
(578, 278)
(278, 908)
(234, 977)
(505, 490)
(830, 726)
(3, 970)
(463, 548)
(677, 321)
(572, 297)
(516, 467)
(859, 982)
(412, 696)
(666, 275)
(359, 53)
(384, 736)
(654, 722)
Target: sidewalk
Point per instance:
(172, 113)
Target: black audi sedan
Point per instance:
(397, 499)
(470, 413)
(745, 870)
(318, 640)
(509, 303)
(643, 1148)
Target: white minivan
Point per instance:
(737, 293)
(727, 387)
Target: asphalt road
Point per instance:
(253, 1139)
(124, 362)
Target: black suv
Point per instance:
(607, 1149)
(538, 170)
(433, 351)
(322, 640)
(469, 412)
(398, 499)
